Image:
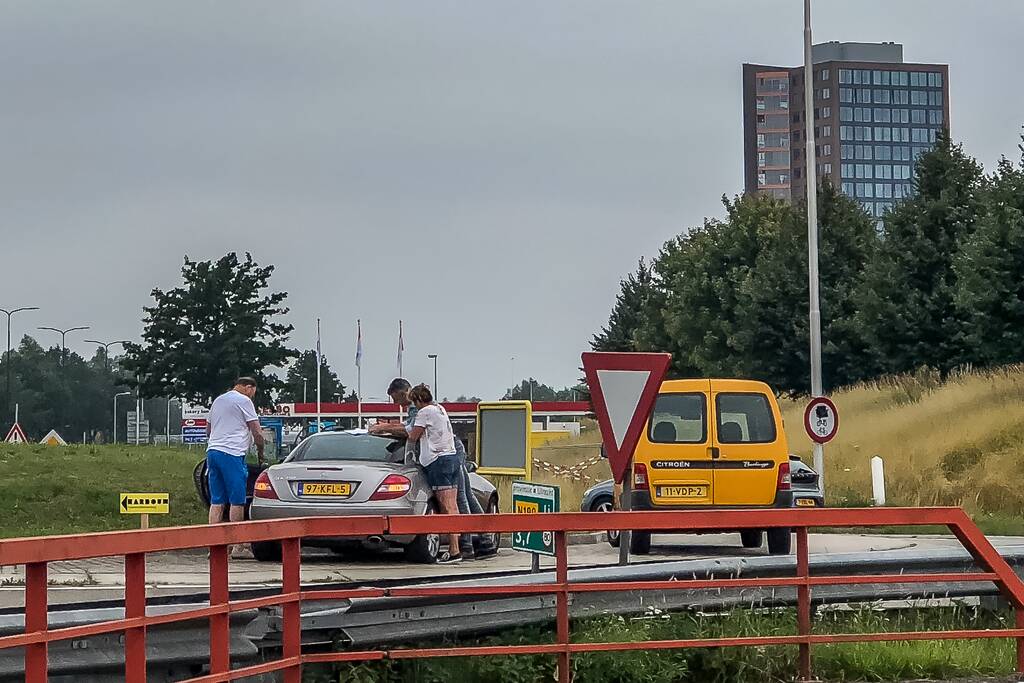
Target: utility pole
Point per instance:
(7, 358)
(811, 176)
(433, 357)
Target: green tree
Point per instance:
(301, 380)
(990, 273)
(906, 303)
(219, 325)
(627, 316)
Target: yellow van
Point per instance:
(713, 443)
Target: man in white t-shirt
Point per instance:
(232, 427)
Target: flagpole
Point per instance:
(359, 374)
(319, 362)
(401, 349)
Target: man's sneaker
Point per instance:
(241, 552)
(467, 553)
(484, 552)
(448, 558)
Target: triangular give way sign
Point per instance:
(16, 435)
(623, 387)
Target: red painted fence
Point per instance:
(36, 553)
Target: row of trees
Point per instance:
(532, 390)
(938, 283)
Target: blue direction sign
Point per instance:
(530, 498)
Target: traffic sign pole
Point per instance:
(625, 535)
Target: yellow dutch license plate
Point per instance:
(308, 488)
(805, 503)
(691, 491)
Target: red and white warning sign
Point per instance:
(821, 420)
(623, 387)
(16, 435)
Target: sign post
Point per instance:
(623, 388)
(144, 505)
(529, 498)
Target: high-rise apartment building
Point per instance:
(874, 115)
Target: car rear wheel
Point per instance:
(267, 551)
(640, 542)
(780, 541)
(493, 540)
(606, 504)
(751, 538)
(425, 548)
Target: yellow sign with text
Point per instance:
(145, 503)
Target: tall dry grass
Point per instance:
(958, 441)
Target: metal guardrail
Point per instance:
(37, 553)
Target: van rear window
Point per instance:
(679, 418)
(744, 418)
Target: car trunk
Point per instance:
(362, 479)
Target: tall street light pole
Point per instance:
(123, 393)
(63, 336)
(7, 358)
(811, 175)
(106, 349)
(433, 357)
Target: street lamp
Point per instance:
(433, 357)
(123, 393)
(9, 313)
(63, 335)
(106, 348)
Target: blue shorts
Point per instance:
(228, 477)
(443, 473)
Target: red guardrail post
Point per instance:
(803, 602)
(562, 605)
(35, 620)
(220, 629)
(135, 606)
(291, 559)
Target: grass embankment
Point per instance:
(70, 489)
(958, 442)
(843, 662)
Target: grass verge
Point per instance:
(72, 489)
(934, 660)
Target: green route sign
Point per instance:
(529, 498)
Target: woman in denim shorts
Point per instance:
(433, 430)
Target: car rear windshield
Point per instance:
(348, 447)
(679, 418)
(744, 418)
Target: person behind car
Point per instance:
(433, 430)
(476, 546)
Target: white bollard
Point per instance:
(878, 481)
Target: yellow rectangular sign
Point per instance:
(527, 507)
(145, 503)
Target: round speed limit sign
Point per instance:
(821, 420)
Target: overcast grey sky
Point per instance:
(522, 154)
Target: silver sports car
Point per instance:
(353, 473)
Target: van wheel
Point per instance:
(640, 542)
(780, 541)
(751, 538)
(425, 548)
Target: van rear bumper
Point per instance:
(641, 500)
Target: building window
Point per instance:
(901, 154)
(826, 112)
(824, 74)
(862, 171)
(935, 79)
(863, 95)
(918, 97)
(883, 191)
(846, 94)
(845, 76)
(826, 150)
(863, 153)
(901, 171)
(919, 135)
(883, 152)
(796, 173)
(760, 140)
(901, 116)
(865, 190)
(882, 115)
(826, 93)
(918, 79)
(917, 116)
(845, 132)
(901, 97)
(883, 171)
(901, 135)
(761, 159)
(826, 131)
(882, 96)
(783, 179)
(846, 170)
(846, 151)
(846, 113)
(935, 117)
(933, 135)
(762, 179)
(900, 78)
(935, 98)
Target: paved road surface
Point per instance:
(186, 572)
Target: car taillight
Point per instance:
(393, 486)
(640, 482)
(785, 479)
(263, 488)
